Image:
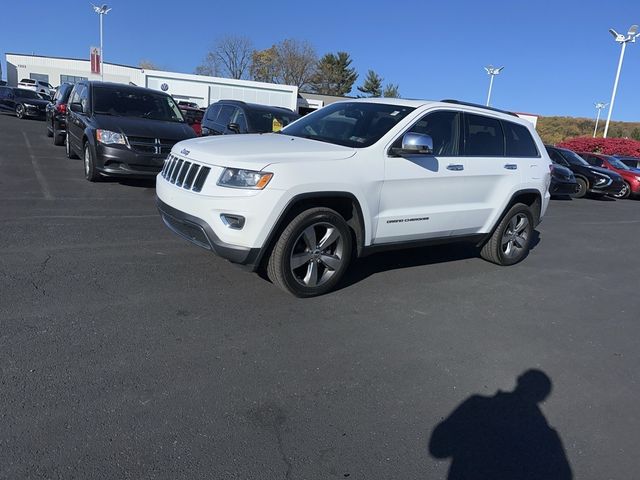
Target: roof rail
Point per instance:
(477, 105)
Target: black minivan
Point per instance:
(122, 130)
(233, 116)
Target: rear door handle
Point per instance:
(455, 167)
(511, 166)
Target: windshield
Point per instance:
(24, 93)
(135, 103)
(574, 158)
(617, 163)
(352, 124)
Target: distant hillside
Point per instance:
(556, 129)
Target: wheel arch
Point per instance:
(345, 203)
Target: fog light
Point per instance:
(232, 221)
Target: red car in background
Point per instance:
(630, 176)
(193, 116)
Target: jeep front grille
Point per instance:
(188, 175)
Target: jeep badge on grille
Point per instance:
(184, 152)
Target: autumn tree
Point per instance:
(291, 62)
(333, 75)
(372, 86)
(148, 65)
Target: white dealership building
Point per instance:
(200, 89)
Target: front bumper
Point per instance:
(123, 162)
(611, 189)
(199, 232)
(562, 188)
(34, 111)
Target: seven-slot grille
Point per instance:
(158, 146)
(184, 174)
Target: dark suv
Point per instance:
(122, 130)
(57, 114)
(233, 116)
(594, 180)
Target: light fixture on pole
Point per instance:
(492, 72)
(101, 11)
(599, 106)
(630, 37)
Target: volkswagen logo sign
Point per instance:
(164, 87)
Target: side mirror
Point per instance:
(234, 127)
(75, 107)
(417, 144)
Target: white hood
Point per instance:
(256, 151)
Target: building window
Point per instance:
(71, 79)
(39, 76)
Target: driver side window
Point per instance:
(444, 129)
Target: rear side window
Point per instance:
(518, 141)
(483, 136)
(593, 160)
(212, 112)
(226, 112)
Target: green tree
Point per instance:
(635, 133)
(391, 91)
(333, 75)
(372, 86)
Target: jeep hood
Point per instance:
(256, 151)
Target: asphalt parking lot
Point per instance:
(126, 352)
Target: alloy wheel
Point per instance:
(317, 254)
(87, 160)
(624, 193)
(20, 111)
(515, 236)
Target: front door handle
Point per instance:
(511, 166)
(455, 167)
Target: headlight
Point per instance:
(30, 105)
(109, 137)
(237, 178)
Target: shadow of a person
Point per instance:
(503, 437)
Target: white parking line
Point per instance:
(41, 180)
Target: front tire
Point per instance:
(312, 253)
(511, 240)
(581, 190)
(90, 172)
(20, 111)
(624, 193)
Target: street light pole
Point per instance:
(101, 11)
(630, 37)
(492, 72)
(599, 107)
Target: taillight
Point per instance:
(61, 108)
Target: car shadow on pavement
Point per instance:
(131, 182)
(504, 436)
(362, 268)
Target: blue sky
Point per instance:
(558, 55)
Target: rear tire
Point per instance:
(511, 240)
(581, 190)
(90, 172)
(70, 152)
(312, 253)
(58, 138)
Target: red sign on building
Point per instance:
(95, 60)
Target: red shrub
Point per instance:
(606, 146)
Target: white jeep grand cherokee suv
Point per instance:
(355, 177)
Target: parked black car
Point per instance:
(594, 180)
(233, 116)
(633, 162)
(22, 102)
(563, 182)
(56, 114)
(122, 130)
